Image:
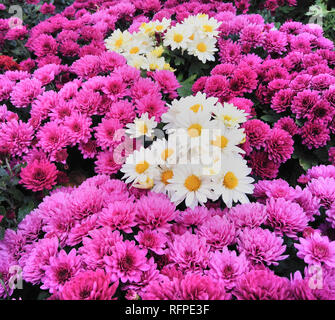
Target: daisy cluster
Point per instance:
(200, 160)
(143, 48)
(87, 242)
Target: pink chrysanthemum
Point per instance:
(78, 127)
(168, 82)
(226, 266)
(262, 285)
(279, 145)
(39, 175)
(25, 92)
(249, 215)
(261, 246)
(107, 132)
(262, 166)
(193, 217)
(317, 250)
(118, 215)
(287, 124)
(155, 211)
(314, 134)
(257, 132)
(285, 217)
(126, 262)
(152, 240)
(189, 252)
(89, 285)
(16, 136)
(324, 190)
(218, 232)
(62, 268)
(38, 259)
(98, 244)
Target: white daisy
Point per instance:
(209, 27)
(138, 61)
(142, 126)
(177, 37)
(229, 115)
(139, 167)
(189, 184)
(203, 48)
(118, 40)
(161, 26)
(165, 152)
(233, 182)
(162, 179)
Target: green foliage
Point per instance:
(15, 203)
(186, 86)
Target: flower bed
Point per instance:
(167, 150)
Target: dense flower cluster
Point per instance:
(190, 103)
(101, 232)
(200, 160)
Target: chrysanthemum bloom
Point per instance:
(89, 285)
(167, 82)
(287, 124)
(78, 127)
(107, 133)
(218, 232)
(282, 100)
(262, 166)
(193, 217)
(153, 105)
(279, 145)
(107, 163)
(285, 217)
(324, 190)
(88, 149)
(86, 67)
(16, 136)
(31, 226)
(256, 131)
(308, 202)
(152, 240)
(317, 250)
(111, 60)
(189, 252)
(122, 110)
(303, 102)
(6, 290)
(227, 267)
(81, 230)
(25, 91)
(331, 153)
(39, 175)
(314, 134)
(250, 215)
(62, 268)
(217, 86)
(191, 287)
(47, 8)
(126, 262)
(322, 111)
(98, 244)
(154, 211)
(275, 41)
(262, 285)
(301, 287)
(86, 201)
(118, 215)
(261, 246)
(38, 259)
(145, 87)
(52, 138)
(114, 87)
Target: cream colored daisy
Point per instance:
(233, 182)
(229, 115)
(162, 179)
(164, 151)
(203, 48)
(118, 40)
(161, 26)
(142, 126)
(189, 184)
(140, 167)
(177, 37)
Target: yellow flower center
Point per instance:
(195, 108)
(230, 181)
(178, 37)
(159, 27)
(220, 141)
(118, 42)
(142, 127)
(141, 167)
(194, 130)
(207, 28)
(153, 66)
(192, 183)
(166, 153)
(201, 47)
(166, 175)
(227, 118)
(134, 50)
(191, 37)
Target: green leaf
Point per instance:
(23, 211)
(186, 86)
(270, 117)
(2, 211)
